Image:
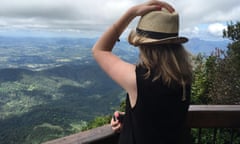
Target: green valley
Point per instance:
(38, 106)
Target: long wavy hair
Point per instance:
(171, 62)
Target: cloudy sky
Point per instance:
(88, 18)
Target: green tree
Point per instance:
(97, 122)
(200, 81)
(225, 88)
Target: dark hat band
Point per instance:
(155, 35)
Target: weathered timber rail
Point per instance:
(199, 116)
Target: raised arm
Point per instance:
(108, 39)
(122, 72)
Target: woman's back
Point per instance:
(159, 114)
(158, 94)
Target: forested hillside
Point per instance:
(50, 88)
(37, 106)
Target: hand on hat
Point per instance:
(107, 41)
(151, 5)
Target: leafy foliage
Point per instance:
(233, 31)
(217, 81)
(200, 81)
(226, 78)
(98, 121)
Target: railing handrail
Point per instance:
(214, 116)
(85, 136)
(199, 116)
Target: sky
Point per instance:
(203, 19)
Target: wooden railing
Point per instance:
(199, 116)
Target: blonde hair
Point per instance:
(133, 39)
(168, 61)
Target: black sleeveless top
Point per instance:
(159, 114)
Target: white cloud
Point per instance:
(191, 32)
(216, 29)
(94, 16)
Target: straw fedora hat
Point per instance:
(157, 27)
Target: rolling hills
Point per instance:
(51, 87)
(55, 102)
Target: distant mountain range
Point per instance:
(44, 53)
(49, 87)
(196, 46)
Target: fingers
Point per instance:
(122, 113)
(116, 113)
(152, 5)
(160, 4)
(168, 7)
(116, 125)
